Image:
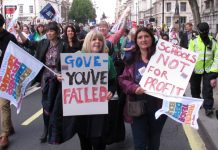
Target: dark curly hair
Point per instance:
(74, 30)
(137, 53)
(53, 26)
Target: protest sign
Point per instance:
(85, 84)
(18, 69)
(181, 109)
(9, 11)
(169, 70)
(119, 23)
(12, 22)
(48, 12)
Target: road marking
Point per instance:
(32, 118)
(195, 141)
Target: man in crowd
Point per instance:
(5, 110)
(187, 35)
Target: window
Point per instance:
(207, 4)
(168, 7)
(182, 20)
(168, 19)
(183, 6)
(31, 8)
(20, 9)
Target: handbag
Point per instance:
(136, 108)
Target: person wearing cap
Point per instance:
(5, 109)
(206, 67)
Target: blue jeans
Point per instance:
(146, 131)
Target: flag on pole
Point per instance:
(48, 12)
(18, 69)
(119, 23)
(184, 110)
(51, 13)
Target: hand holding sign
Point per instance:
(109, 95)
(60, 78)
(169, 70)
(139, 91)
(126, 12)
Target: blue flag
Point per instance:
(48, 12)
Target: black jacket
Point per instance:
(184, 39)
(60, 128)
(41, 49)
(5, 38)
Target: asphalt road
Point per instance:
(27, 137)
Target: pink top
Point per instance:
(114, 38)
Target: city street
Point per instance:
(27, 137)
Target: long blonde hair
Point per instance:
(89, 37)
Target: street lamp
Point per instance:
(1, 6)
(136, 13)
(162, 12)
(176, 16)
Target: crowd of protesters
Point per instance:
(129, 49)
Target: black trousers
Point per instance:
(207, 89)
(91, 143)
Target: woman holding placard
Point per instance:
(140, 108)
(57, 129)
(93, 129)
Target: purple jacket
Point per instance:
(127, 84)
(126, 80)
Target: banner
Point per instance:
(168, 71)
(18, 69)
(51, 13)
(85, 84)
(48, 12)
(12, 22)
(9, 11)
(181, 109)
(57, 16)
(119, 23)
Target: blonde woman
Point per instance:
(93, 129)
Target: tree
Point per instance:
(82, 11)
(195, 11)
(103, 16)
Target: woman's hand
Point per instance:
(17, 28)
(109, 95)
(213, 83)
(139, 91)
(60, 78)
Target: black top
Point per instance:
(5, 38)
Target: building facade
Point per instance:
(209, 14)
(65, 8)
(169, 15)
(29, 9)
(153, 11)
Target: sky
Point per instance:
(106, 6)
